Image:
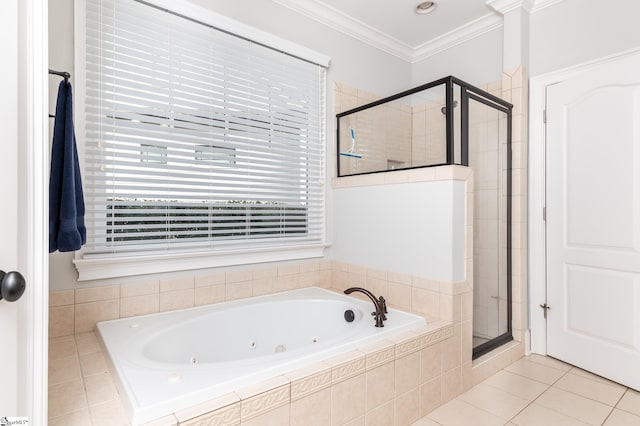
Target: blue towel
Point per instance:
(66, 201)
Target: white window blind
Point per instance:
(196, 139)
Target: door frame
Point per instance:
(536, 275)
(33, 226)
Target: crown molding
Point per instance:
(506, 6)
(457, 36)
(530, 6)
(340, 21)
(543, 4)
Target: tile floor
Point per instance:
(534, 391)
(540, 391)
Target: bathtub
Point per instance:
(173, 360)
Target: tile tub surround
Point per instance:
(394, 382)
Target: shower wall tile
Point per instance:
(139, 305)
(238, 276)
(209, 280)
(207, 295)
(238, 290)
(61, 321)
(173, 300)
(61, 298)
(175, 284)
(140, 289)
(288, 270)
(95, 294)
(399, 296)
(88, 314)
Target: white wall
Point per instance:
(414, 228)
(576, 31)
(62, 273)
(352, 62)
(478, 61)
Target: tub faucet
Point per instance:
(380, 305)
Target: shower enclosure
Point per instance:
(448, 122)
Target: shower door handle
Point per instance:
(12, 285)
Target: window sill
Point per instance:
(113, 267)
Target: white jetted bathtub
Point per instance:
(169, 361)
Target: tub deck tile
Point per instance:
(346, 365)
(170, 420)
(379, 353)
(406, 343)
(263, 403)
(310, 384)
(207, 407)
(227, 416)
(261, 387)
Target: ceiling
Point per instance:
(397, 19)
(393, 25)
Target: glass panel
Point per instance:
(405, 133)
(488, 159)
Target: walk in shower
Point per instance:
(448, 122)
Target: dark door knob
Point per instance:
(12, 285)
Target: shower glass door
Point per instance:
(489, 147)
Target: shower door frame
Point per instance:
(468, 92)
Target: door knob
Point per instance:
(12, 285)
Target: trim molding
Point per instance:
(543, 4)
(340, 21)
(113, 267)
(33, 255)
(460, 35)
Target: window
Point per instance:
(196, 140)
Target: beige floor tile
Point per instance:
(100, 388)
(630, 402)
(582, 373)
(459, 413)
(425, 421)
(62, 347)
(93, 363)
(517, 385)
(108, 414)
(87, 343)
(576, 406)
(537, 415)
(494, 400)
(64, 369)
(535, 371)
(622, 418)
(78, 418)
(608, 393)
(549, 362)
(66, 398)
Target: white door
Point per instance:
(8, 209)
(593, 220)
